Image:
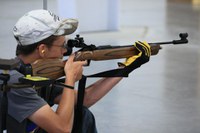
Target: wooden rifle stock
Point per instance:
(111, 52)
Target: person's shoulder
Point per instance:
(15, 72)
(13, 75)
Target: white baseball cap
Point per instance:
(40, 24)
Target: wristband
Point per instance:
(68, 86)
(64, 85)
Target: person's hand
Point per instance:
(136, 61)
(74, 69)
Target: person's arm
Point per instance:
(61, 121)
(99, 89)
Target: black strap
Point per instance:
(120, 72)
(78, 120)
(4, 101)
(111, 73)
(4, 108)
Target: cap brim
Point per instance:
(67, 27)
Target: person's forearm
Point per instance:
(99, 89)
(66, 105)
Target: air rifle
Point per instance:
(53, 68)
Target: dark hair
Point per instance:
(28, 49)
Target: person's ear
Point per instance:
(42, 50)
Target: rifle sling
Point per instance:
(78, 120)
(110, 73)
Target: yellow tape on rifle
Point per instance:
(36, 78)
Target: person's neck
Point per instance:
(29, 58)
